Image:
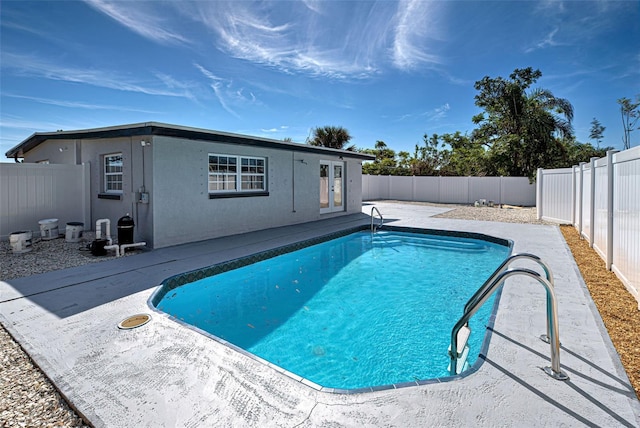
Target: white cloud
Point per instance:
(140, 18)
(227, 95)
(274, 130)
(547, 41)
(433, 115)
(440, 112)
(549, 6)
(415, 24)
(78, 104)
(344, 40)
(314, 5)
(38, 67)
(15, 129)
(341, 40)
(251, 33)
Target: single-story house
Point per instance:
(183, 184)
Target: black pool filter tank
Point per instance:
(125, 230)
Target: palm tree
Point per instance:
(524, 131)
(335, 137)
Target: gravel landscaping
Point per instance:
(27, 398)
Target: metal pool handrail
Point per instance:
(373, 229)
(505, 264)
(483, 289)
(552, 318)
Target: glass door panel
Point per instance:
(331, 186)
(337, 187)
(324, 186)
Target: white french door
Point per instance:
(331, 186)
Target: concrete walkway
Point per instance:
(166, 375)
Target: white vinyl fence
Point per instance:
(449, 190)
(32, 192)
(602, 200)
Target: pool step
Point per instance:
(462, 351)
(440, 244)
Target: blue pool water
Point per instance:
(359, 311)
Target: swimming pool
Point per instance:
(350, 312)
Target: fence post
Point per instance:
(539, 191)
(610, 182)
(580, 195)
(573, 195)
(413, 187)
(388, 187)
(592, 202)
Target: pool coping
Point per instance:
(178, 280)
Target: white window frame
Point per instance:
(108, 174)
(246, 169)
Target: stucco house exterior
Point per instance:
(183, 184)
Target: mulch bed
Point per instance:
(617, 307)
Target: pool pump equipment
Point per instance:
(100, 245)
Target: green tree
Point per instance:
(335, 137)
(385, 162)
(630, 113)
(522, 130)
(430, 158)
(575, 152)
(467, 158)
(597, 131)
(404, 162)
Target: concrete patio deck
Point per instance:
(166, 375)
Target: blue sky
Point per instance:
(388, 70)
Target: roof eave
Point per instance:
(155, 128)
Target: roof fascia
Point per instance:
(161, 129)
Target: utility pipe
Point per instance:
(99, 224)
(113, 247)
(124, 247)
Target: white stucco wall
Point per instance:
(133, 178)
(183, 211)
(54, 152)
(92, 151)
(174, 172)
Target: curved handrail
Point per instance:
(505, 264)
(552, 319)
(373, 229)
(547, 271)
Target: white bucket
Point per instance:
(20, 241)
(73, 232)
(49, 229)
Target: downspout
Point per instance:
(134, 206)
(293, 182)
